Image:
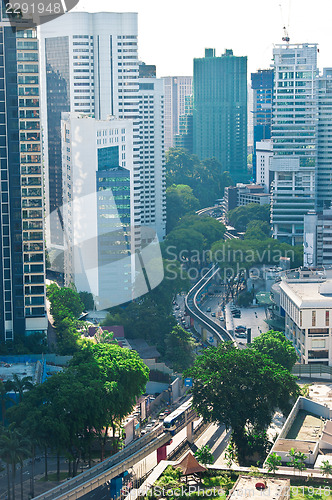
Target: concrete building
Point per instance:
(305, 298)
(98, 207)
(91, 67)
(243, 194)
(176, 88)
(22, 270)
(261, 111)
(318, 238)
(294, 139)
(264, 153)
(153, 173)
(220, 111)
(184, 139)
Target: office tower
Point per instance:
(153, 173)
(324, 141)
(317, 243)
(262, 88)
(98, 206)
(184, 139)
(22, 289)
(176, 88)
(220, 111)
(294, 139)
(91, 67)
(263, 156)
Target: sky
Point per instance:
(171, 33)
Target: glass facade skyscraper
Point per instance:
(22, 285)
(220, 111)
(262, 87)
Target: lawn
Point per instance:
(311, 492)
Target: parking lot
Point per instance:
(251, 317)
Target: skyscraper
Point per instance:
(22, 288)
(220, 111)
(153, 173)
(91, 67)
(324, 141)
(262, 87)
(294, 139)
(176, 88)
(184, 139)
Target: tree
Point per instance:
(13, 448)
(273, 462)
(297, 460)
(180, 201)
(240, 217)
(277, 347)
(326, 468)
(180, 348)
(87, 300)
(21, 384)
(240, 389)
(204, 455)
(257, 230)
(5, 388)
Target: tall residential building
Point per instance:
(91, 67)
(317, 243)
(98, 206)
(220, 111)
(324, 141)
(294, 139)
(176, 88)
(262, 88)
(153, 173)
(184, 139)
(22, 289)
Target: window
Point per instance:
(313, 314)
(327, 318)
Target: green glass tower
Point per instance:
(220, 111)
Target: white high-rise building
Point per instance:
(91, 67)
(98, 206)
(294, 123)
(176, 88)
(324, 141)
(153, 178)
(263, 159)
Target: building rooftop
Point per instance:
(7, 370)
(248, 487)
(285, 445)
(144, 350)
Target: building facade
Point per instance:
(262, 89)
(98, 206)
(91, 67)
(305, 298)
(324, 141)
(220, 111)
(264, 153)
(22, 290)
(294, 139)
(317, 243)
(184, 139)
(153, 173)
(176, 89)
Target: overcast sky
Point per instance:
(172, 32)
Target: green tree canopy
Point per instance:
(241, 216)
(257, 230)
(180, 201)
(240, 389)
(277, 347)
(179, 348)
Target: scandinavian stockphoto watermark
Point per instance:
(32, 13)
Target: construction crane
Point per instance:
(286, 37)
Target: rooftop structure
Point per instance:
(255, 488)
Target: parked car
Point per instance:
(237, 315)
(208, 309)
(240, 329)
(213, 314)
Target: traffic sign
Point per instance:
(188, 382)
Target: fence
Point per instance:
(313, 371)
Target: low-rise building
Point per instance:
(243, 194)
(306, 302)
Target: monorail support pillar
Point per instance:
(190, 432)
(116, 485)
(162, 452)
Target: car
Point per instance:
(213, 314)
(235, 309)
(241, 326)
(177, 308)
(148, 427)
(236, 315)
(143, 431)
(161, 416)
(221, 318)
(240, 329)
(208, 309)
(241, 335)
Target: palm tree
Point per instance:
(326, 468)
(20, 384)
(13, 449)
(5, 388)
(273, 462)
